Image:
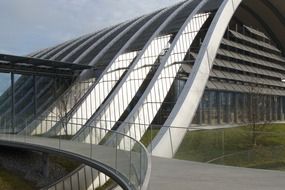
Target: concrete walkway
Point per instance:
(166, 174)
(102, 158)
(171, 174)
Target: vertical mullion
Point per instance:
(35, 95)
(12, 101)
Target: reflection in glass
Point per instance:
(5, 100)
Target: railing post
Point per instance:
(25, 131)
(30, 130)
(223, 144)
(130, 169)
(170, 141)
(2, 125)
(116, 161)
(95, 136)
(151, 128)
(7, 130)
(141, 181)
(90, 141)
(60, 133)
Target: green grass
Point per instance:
(12, 181)
(149, 136)
(63, 137)
(274, 165)
(234, 146)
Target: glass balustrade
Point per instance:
(130, 164)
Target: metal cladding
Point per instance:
(162, 69)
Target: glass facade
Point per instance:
(141, 69)
(5, 99)
(24, 97)
(225, 107)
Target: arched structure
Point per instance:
(198, 62)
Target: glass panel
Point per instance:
(24, 100)
(5, 101)
(262, 147)
(45, 90)
(224, 106)
(214, 106)
(240, 107)
(206, 119)
(231, 107)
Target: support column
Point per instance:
(210, 120)
(200, 118)
(235, 96)
(12, 103)
(244, 109)
(264, 108)
(219, 106)
(203, 109)
(250, 108)
(45, 164)
(255, 109)
(275, 98)
(281, 108)
(228, 113)
(270, 108)
(267, 110)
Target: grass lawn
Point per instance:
(12, 181)
(62, 137)
(234, 146)
(149, 136)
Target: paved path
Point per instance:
(170, 174)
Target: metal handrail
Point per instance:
(145, 182)
(142, 175)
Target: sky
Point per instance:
(31, 25)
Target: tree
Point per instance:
(257, 113)
(65, 103)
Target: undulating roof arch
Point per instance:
(267, 15)
(103, 47)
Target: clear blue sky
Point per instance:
(30, 25)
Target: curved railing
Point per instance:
(132, 165)
(261, 147)
(137, 170)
